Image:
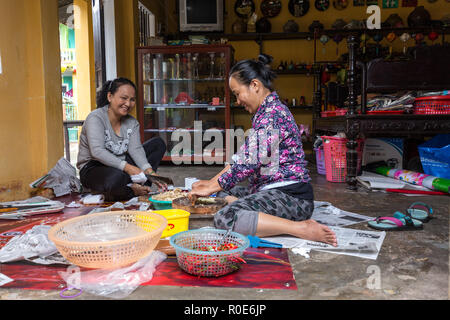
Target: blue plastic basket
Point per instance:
(197, 262)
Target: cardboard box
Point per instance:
(384, 149)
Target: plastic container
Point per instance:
(340, 112)
(320, 161)
(197, 262)
(161, 205)
(177, 221)
(335, 150)
(432, 105)
(435, 156)
(375, 112)
(108, 239)
(326, 114)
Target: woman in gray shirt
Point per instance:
(111, 158)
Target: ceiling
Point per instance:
(64, 11)
(63, 3)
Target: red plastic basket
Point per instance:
(335, 150)
(325, 114)
(386, 112)
(341, 112)
(432, 105)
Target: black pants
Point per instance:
(112, 182)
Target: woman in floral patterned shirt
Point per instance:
(279, 198)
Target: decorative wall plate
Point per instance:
(298, 8)
(322, 5)
(340, 4)
(244, 8)
(271, 8)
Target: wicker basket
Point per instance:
(108, 239)
(192, 259)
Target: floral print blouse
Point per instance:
(272, 152)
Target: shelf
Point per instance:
(329, 32)
(182, 129)
(305, 72)
(162, 107)
(149, 81)
(306, 108)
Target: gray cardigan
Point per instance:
(98, 141)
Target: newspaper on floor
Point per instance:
(325, 213)
(352, 242)
(48, 206)
(62, 178)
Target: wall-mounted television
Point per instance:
(201, 15)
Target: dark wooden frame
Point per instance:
(407, 125)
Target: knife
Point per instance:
(159, 179)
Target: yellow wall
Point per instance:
(84, 81)
(31, 129)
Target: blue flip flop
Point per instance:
(399, 222)
(420, 211)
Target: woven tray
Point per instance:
(204, 209)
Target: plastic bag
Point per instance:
(33, 243)
(114, 283)
(435, 156)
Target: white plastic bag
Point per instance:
(114, 283)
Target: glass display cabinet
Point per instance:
(184, 90)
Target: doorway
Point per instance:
(81, 29)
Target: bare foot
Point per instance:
(312, 230)
(230, 199)
(140, 190)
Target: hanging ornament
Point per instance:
(404, 38)
(433, 35)
(363, 40)
(340, 4)
(377, 37)
(337, 38)
(322, 5)
(324, 39)
(270, 8)
(419, 37)
(298, 8)
(391, 37)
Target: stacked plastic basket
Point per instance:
(335, 151)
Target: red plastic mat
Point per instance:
(265, 268)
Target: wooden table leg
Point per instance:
(352, 162)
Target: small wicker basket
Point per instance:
(192, 259)
(108, 239)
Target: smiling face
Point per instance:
(122, 101)
(246, 96)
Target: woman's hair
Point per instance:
(246, 70)
(111, 86)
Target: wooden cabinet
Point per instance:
(183, 90)
(428, 70)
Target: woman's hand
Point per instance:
(132, 170)
(205, 188)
